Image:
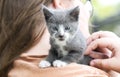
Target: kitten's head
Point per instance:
(62, 24)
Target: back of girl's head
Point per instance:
(21, 24)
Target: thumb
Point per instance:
(104, 64)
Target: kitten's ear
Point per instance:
(47, 12)
(74, 13)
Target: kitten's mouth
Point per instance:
(61, 39)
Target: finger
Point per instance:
(100, 34)
(97, 55)
(107, 34)
(101, 43)
(104, 50)
(93, 37)
(103, 64)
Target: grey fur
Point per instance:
(63, 26)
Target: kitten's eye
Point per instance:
(55, 28)
(67, 28)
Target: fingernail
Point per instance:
(86, 53)
(92, 63)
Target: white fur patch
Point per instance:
(59, 63)
(61, 29)
(44, 64)
(62, 44)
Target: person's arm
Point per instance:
(106, 42)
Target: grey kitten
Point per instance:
(67, 42)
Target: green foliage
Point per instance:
(107, 17)
(101, 11)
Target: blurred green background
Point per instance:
(106, 15)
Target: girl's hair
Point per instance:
(21, 26)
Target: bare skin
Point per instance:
(106, 42)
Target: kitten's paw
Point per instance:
(59, 63)
(44, 64)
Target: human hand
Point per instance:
(104, 42)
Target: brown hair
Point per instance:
(21, 25)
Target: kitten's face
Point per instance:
(62, 31)
(62, 25)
